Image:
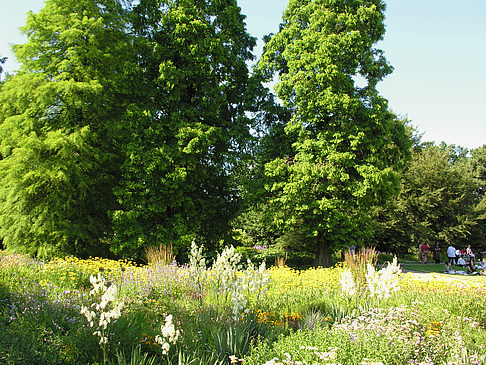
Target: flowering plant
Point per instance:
(169, 335)
(380, 283)
(103, 313)
(384, 282)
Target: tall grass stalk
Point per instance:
(280, 261)
(358, 263)
(161, 255)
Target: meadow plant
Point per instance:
(161, 283)
(197, 268)
(358, 264)
(348, 286)
(104, 312)
(380, 284)
(280, 261)
(169, 335)
(252, 283)
(243, 307)
(257, 279)
(161, 255)
(394, 335)
(225, 269)
(384, 282)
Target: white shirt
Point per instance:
(451, 251)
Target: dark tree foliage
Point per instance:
(477, 164)
(438, 202)
(187, 126)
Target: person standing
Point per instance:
(451, 254)
(437, 253)
(424, 250)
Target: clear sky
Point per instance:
(438, 49)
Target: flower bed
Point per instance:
(101, 311)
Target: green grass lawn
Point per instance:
(439, 269)
(433, 268)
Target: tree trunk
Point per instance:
(323, 253)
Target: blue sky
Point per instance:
(437, 47)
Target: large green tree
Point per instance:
(187, 123)
(477, 164)
(346, 145)
(438, 202)
(58, 125)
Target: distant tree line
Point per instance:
(135, 123)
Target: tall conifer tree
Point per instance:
(346, 145)
(58, 120)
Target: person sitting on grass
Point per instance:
(471, 267)
(461, 262)
(481, 265)
(448, 268)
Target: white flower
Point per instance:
(384, 282)
(108, 296)
(348, 286)
(165, 348)
(169, 335)
(101, 315)
(98, 283)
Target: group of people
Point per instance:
(464, 258)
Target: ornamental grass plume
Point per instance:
(384, 282)
(348, 286)
(161, 255)
(104, 312)
(359, 262)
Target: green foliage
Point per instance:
(58, 120)
(438, 202)
(125, 124)
(346, 146)
(137, 357)
(43, 324)
(388, 336)
(185, 125)
(477, 163)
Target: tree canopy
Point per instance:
(58, 118)
(347, 147)
(438, 202)
(134, 123)
(124, 124)
(187, 126)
